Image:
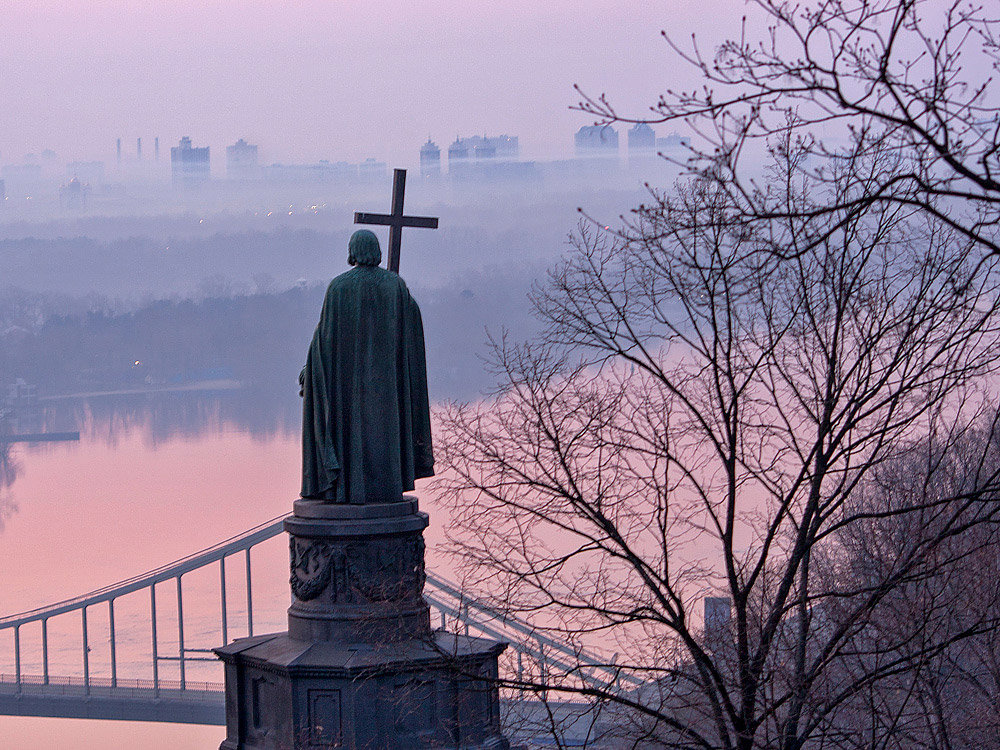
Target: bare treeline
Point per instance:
(775, 389)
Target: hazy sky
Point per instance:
(311, 79)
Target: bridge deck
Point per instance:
(204, 703)
(127, 701)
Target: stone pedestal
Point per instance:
(359, 667)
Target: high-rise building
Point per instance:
(506, 146)
(673, 141)
(641, 139)
(596, 140)
(430, 159)
(91, 172)
(242, 161)
(27, 175)
(717, 614)
(372, 171)
(458, 150)
(484, 147)
(189, 166)
(489, 159)
(73, 196)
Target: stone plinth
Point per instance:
(357, 572)
(359, 667)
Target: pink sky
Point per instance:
(311, 79)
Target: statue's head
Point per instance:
(363, 249)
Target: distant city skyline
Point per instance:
(309, 80)
(241, 155)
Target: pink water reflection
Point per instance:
(90, 514)
(95, 513)
(55, 734)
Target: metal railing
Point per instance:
(216, 554)
(445, 598)
(120, 688)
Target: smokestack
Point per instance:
(156, 148)
(119, 150)
(138, 149)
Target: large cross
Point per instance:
(396, 221)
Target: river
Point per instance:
(153, 478)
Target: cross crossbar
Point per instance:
(396, 220)
(423, 222)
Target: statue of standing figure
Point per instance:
(359, 627)
(366, 429)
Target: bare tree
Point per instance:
(841, 79)
(706, 416)
(945, 621)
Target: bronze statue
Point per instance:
(366, 432)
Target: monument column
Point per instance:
(360, 667)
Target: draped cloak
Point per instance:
(366, 431)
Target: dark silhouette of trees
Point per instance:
(943, 622)
(710, 411)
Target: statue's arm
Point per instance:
(420, 402)
(315, 340)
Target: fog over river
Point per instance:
(185, 396)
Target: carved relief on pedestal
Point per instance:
(386, 569)
(312, 568)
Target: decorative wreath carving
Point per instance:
(386, 570)
(373, 570)
(312, 568)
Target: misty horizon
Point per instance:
(317, 81)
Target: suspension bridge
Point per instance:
(86, 695)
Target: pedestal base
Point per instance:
(283, 693)
(359, 667)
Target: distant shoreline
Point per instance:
(222, 384)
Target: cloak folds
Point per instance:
(366, 431)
